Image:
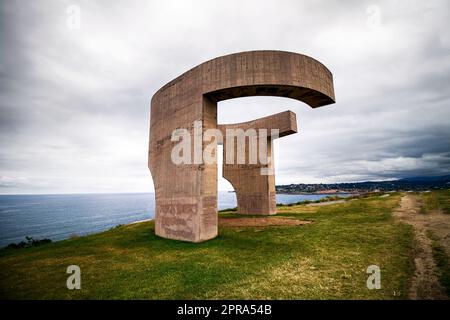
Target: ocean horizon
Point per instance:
(61, 216)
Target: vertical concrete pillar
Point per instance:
(254, 184)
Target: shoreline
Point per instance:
(318, 193)
(138, 221)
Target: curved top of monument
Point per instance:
(253, 73)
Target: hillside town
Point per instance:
(408, 184)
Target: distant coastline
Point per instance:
(331, 192)
(424, 183)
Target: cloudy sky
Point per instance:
(75, 98)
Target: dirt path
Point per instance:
(425, 284)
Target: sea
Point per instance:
(60, 216)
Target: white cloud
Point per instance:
(74, 104)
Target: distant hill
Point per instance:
(445, 178)
(406, 184)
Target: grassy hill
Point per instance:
(326, 259)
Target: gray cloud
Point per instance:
(74, 104)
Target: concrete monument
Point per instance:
(186, 193)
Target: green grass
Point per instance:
(325, 199)
(442, 261)
(326, 259)
(437, 200)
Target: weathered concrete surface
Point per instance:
(255, 192)
(186, 195)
